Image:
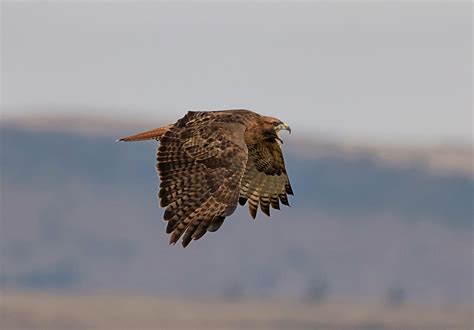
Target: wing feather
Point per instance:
(265, 182)
(201, 161)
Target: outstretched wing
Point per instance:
(201, 161)
(265, 181)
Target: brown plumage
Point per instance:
(210, 161)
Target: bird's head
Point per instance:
(275, 125)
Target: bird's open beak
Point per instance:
(284, 126)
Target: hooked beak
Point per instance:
(284, 126)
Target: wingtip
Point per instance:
(266, 212)
(185, 243)
(253, 213)
(242, 201)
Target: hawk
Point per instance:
(209, 161)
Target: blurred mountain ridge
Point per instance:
(442, 157)
(79, 211)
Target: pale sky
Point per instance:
(363, 70)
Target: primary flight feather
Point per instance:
(210, 161)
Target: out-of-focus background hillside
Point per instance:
(79, 213)
(80, 207)
(379, 235)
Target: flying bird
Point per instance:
(211, 160)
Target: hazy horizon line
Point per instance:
(125, 117)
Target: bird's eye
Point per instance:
(275, 123)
